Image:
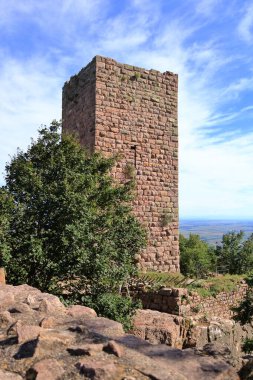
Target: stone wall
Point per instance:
(122, 109)
(79, 98)
(179, 301)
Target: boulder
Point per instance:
(46, 369)
(78, 311)
(41, 339)
(213, 336)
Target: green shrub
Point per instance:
(114, 306)
(197, 258)
(137, 76)
(247, 346)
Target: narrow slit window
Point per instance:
(134, 148)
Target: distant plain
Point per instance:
(212, 230)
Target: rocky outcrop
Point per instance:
(43, 340)
(211, 336)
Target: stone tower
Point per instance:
(118, 108)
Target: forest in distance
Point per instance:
(212, 231)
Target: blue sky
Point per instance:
(209, 43)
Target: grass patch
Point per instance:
(207, 287)
(211, 286)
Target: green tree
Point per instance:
(67, 219)
(196, 256)
(5, 210)
(247, 255)
(235, 253)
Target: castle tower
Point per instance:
(118, 108)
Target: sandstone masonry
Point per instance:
(121, 109)
(185, 303)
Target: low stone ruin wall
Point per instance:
(182, 302)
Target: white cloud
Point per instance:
(245, 27)
(220, 119)
(46, 12)
(224, 187)
(234, 89)
(215, 172)
(30, 96)
(206, 7)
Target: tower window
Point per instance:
(134, 148)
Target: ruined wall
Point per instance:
(180, 301)
(78, 106)
(135, 114)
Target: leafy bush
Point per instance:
(247, 346)
(197, 258)
(114, 306)
(5, 210)
(65, 218)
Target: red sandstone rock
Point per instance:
(20, 308)
(48, 322)
(6, 319)
(51, 305)
(140, 360)
(78, 311)
(90, 349)
(105, 326)
(5, 375)
(52, 341)
(47, 369)
(159, 327)
(114, 348)
(27, 332)
(53, 336)
(98, 370)
(6, 299)
(30, 299)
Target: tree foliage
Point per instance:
(235, 254)
(6, 206)
(197, 258)
(63, 218)
(114, 306)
